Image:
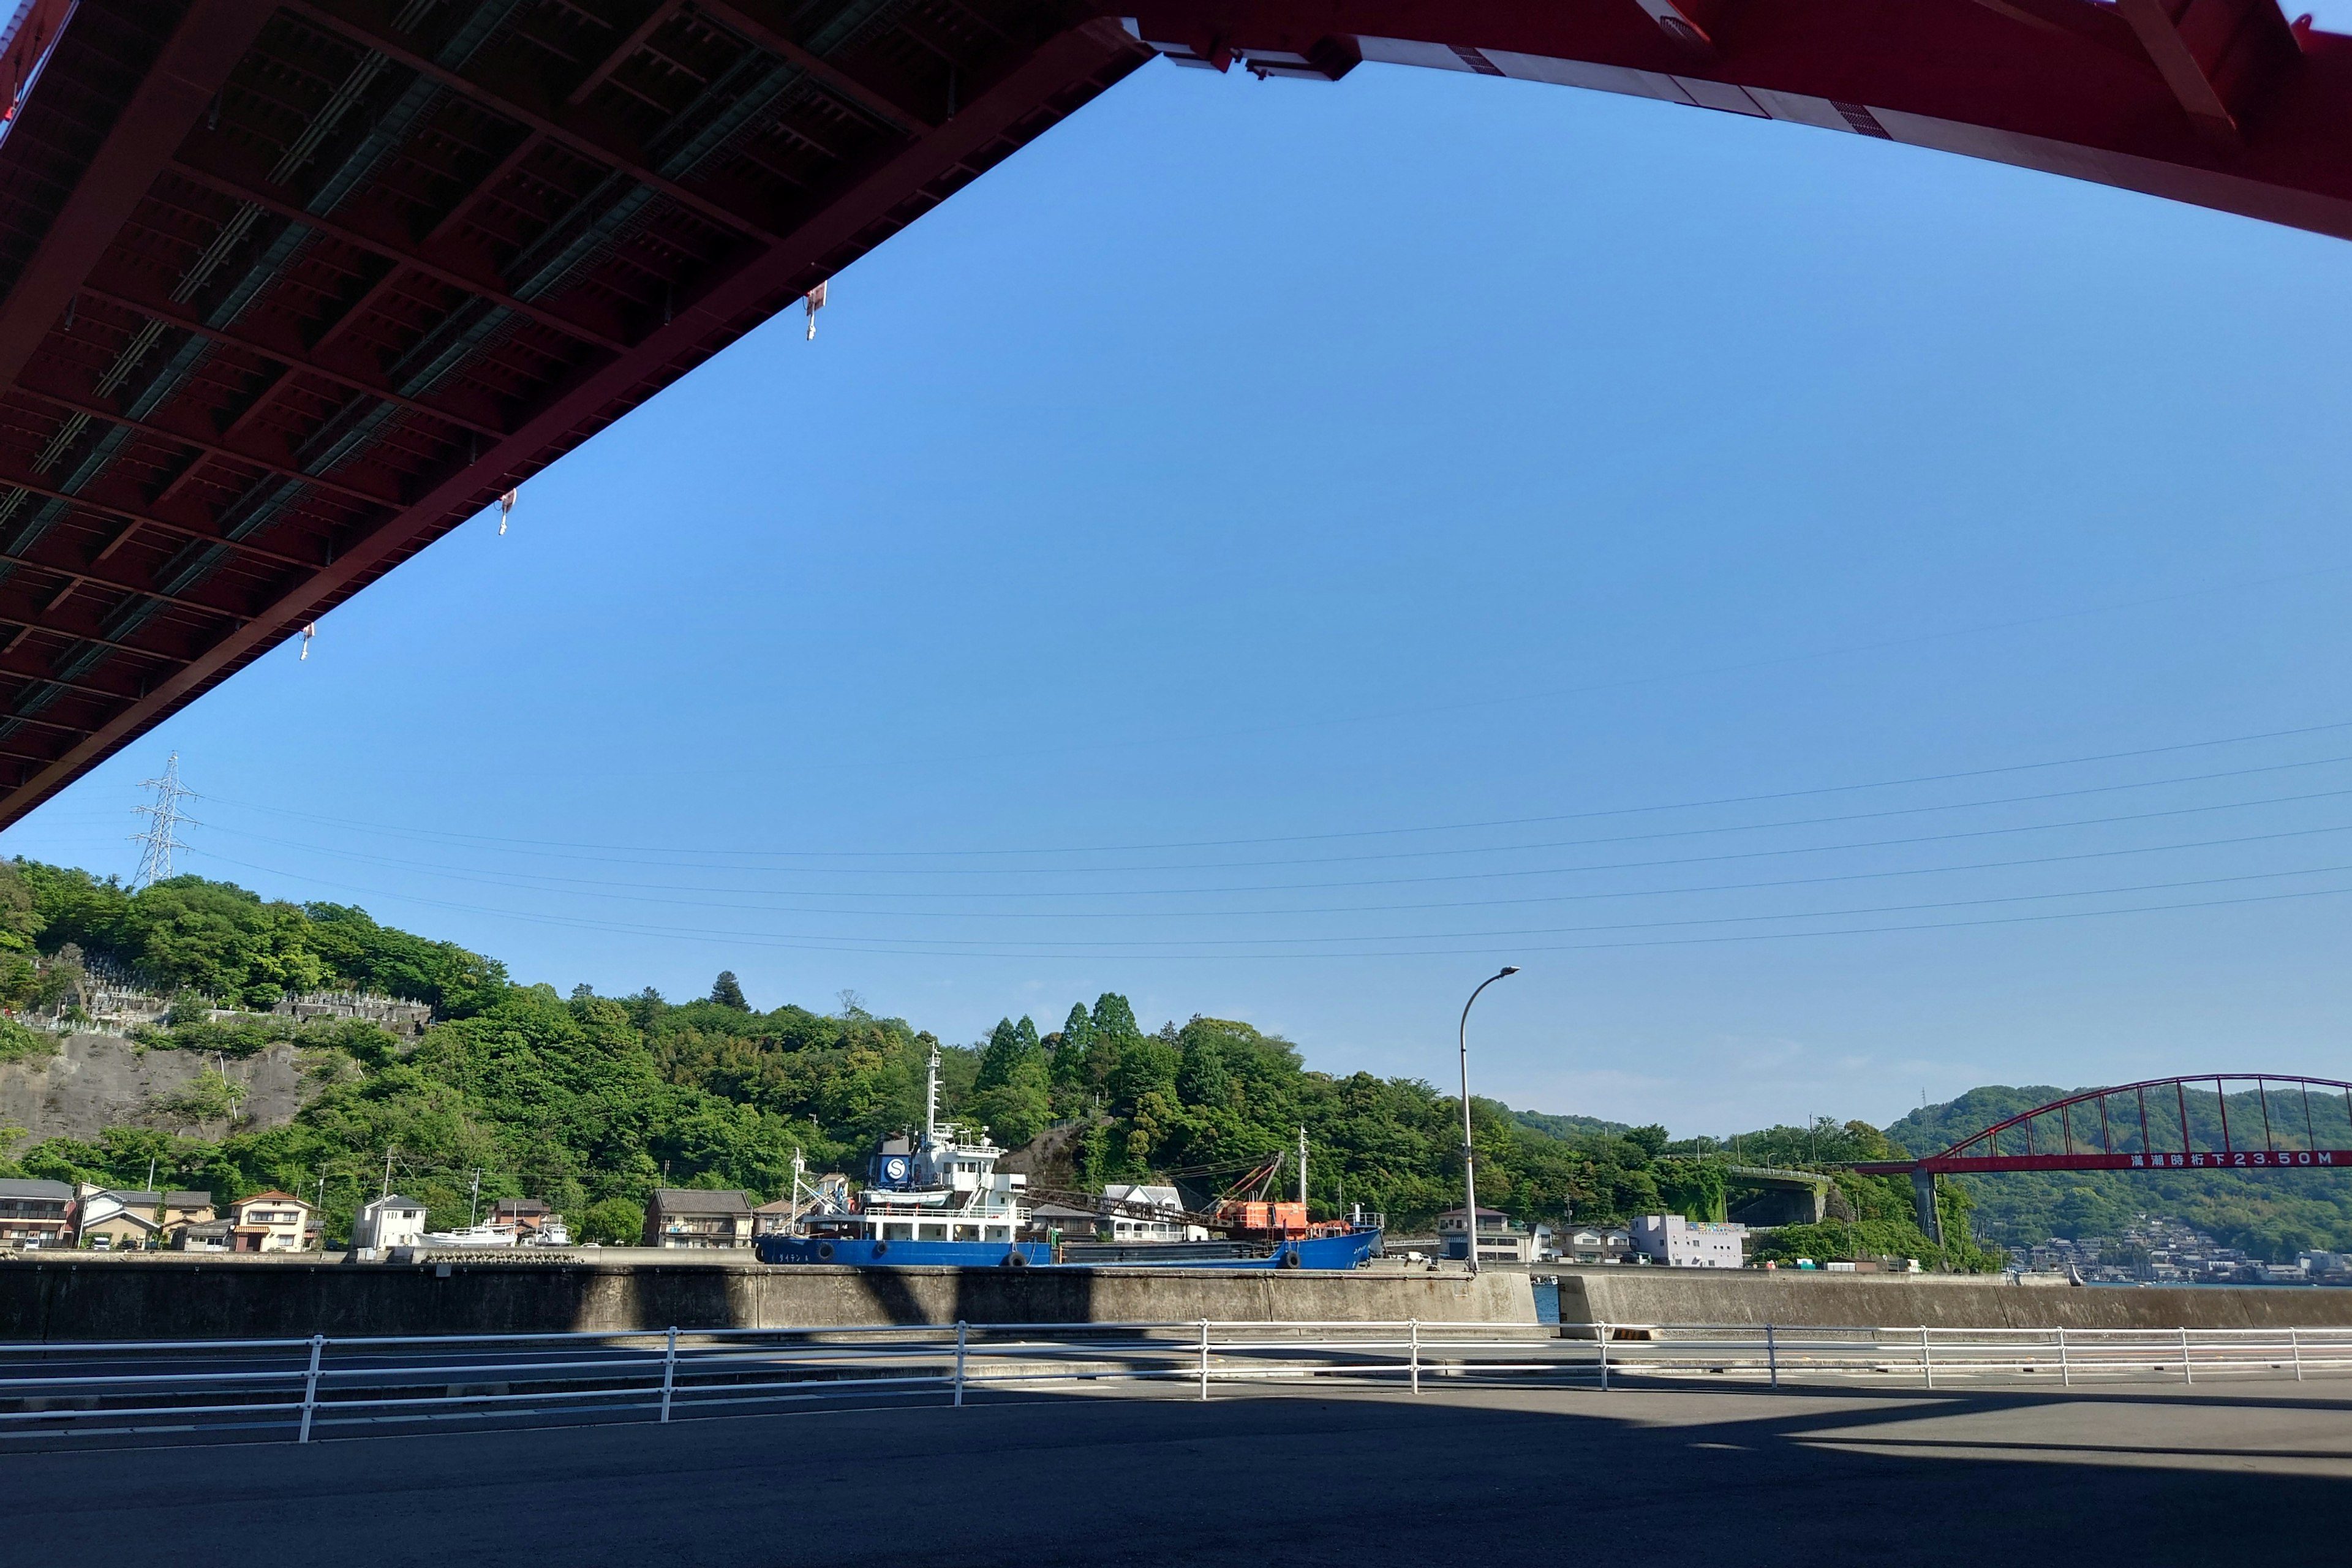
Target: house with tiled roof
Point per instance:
(690, 1217)
(34, 1212)
(106, 1220)
(269, 1222)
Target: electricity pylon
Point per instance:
(160, 842)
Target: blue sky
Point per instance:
(1280, 551)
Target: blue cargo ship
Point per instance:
(939, 1199)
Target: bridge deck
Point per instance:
(290, 288)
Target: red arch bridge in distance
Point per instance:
(2273, 1122)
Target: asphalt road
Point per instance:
(2251, 1473)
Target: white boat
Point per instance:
(471, 1235)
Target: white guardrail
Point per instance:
(310, 1387)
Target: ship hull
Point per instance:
(1315, 1253)
(860, 1252)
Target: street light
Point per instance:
(1469, 1173)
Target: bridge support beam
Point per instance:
(1923, 1195)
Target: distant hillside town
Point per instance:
(193, 1037)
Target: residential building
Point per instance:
(110, 1221)
(775, 1219)
(1500, 1240)
(34, 1212)
(1678, 1243)
(181, 1210)
(387, 1222)
(1595, 1244)
(688, 1217)
(269, 1222)
(205, 1236)
(1164, 1223)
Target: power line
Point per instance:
(526, 845)
(579, 889)
(1512, 874)
(1713, 830)
(947, 948)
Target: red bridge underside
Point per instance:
(294, 287)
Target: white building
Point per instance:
(388, 1222)
(1671, 1239)
(1595, 1244)
(1167, 1224)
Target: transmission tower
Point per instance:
(160, 842)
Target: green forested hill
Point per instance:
(589, 1100)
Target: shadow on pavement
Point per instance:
(1716, 1477)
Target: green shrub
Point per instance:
(615, 1222)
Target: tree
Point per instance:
(18, 1043)
(1650, 1140)
(614, 1222)
(1011, 1094)
(204, 1099)
(1202, 1079)
(727, 992)
(20, 921)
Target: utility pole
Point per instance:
(387, 1173)
(1302, 1176)
(160, 843)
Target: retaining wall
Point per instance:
(1752, 1296)
(90, 1299)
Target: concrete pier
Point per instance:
(86, 1298)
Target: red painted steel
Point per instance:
(1980, 1152)
(2222, 103)
(294, 287)
(25, 39)
(2195, 1159)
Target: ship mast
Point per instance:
(931, 1098)
(1302, 1173)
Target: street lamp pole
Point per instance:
(1469, 1170)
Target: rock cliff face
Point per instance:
(1049, 1160)
(97, 1081)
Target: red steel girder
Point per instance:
(2162, 1160)
(2219, 103)
(291, 355)
(209, 41)
(1979, 1153)
(742, 18)
(555, 122)
(180, 435)
(389, 248)
(1055, 78)
(147, 518)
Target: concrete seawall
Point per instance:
(87, 1299)
(1940, 1301)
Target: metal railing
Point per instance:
(318, 1386)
